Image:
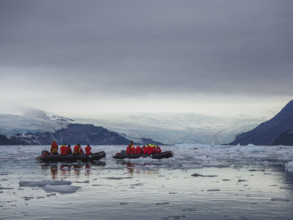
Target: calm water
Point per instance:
(145, 189)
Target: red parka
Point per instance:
(138, 150)
(54, 148)
(128, 149)
(158, 150)
(77, 150)
(88, 150)
(63, 150)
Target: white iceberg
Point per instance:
(60, 188)
(289, 166)
(43, 183)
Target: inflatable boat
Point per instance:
(46, 157)
(123, 155)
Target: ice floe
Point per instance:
(43, 183)
(60, 188)
(289, 166)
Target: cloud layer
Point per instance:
(98, 50)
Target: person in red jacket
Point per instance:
(81, 150)
(142, 149)
(88, 149)
(138, 150)
(151, 149)
(63, 150)
(77, 149)
(133, 151)
(129, 148)
(148, 150)
(158, 150)
(54, 147)
(145, 151)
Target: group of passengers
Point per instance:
(66, 150)
(149, 149)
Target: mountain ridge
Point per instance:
(267, 132)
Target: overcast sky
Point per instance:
(80, 58)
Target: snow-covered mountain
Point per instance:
(177, 128)
(39, 127)
(32, 121)
(168, 128)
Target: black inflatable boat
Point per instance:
(71, 157)
(123, 155)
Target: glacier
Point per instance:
(176, 128)
(21, 124)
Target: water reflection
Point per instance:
(139, 168)
(67, 169)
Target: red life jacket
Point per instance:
(128, 149)
(148, 150)
(132, 150)
(158, 150)
(63, 150)
(88, 150)
(54, 148)
(151, 150)
(81, 150)
(76, 149)
(54, 144)
(138, 150)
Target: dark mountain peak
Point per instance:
(268, 131)
(73, 134)
(288, 107)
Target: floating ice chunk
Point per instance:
(86, 181)
(280, 200)
(60, 188)
(26, 198)
(200, 175)
(43, 183)
(289, 166)
(1, 188)
(162, 203)
(117, 178)
(250, 148)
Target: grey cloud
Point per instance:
(161, 46)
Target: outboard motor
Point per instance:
(45, 152)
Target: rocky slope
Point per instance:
(285, 138)
(268, 132)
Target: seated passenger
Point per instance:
(138, 150)
(146, 150)
(81, 150)
(132, 150)
(128, 149)
(149, 149)
(63, 150)
(88, 149)
(158, 150)
(143, 148)
(77, 150)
